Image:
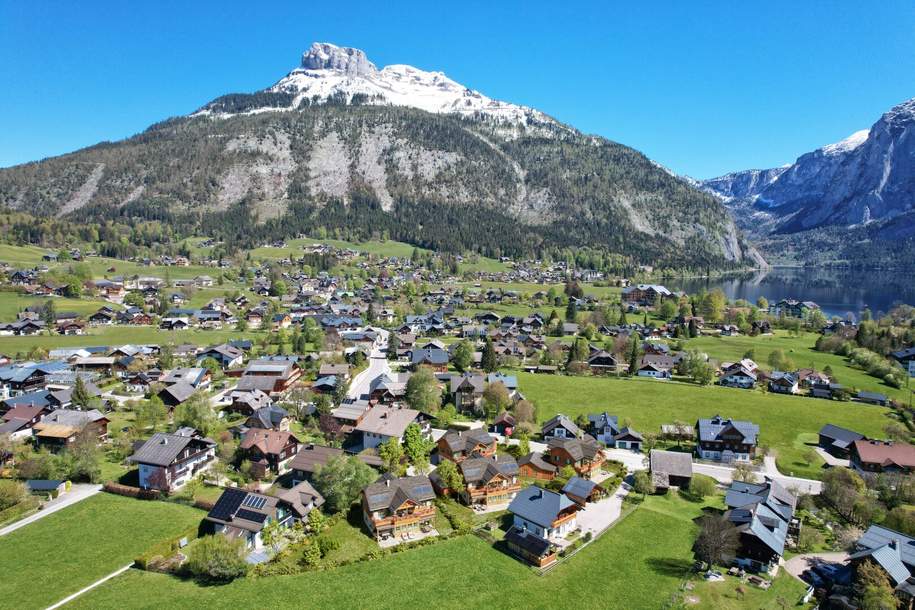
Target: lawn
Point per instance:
(648, 403)
(11, 303)
(47, 560)
(121, 335)
(798, 349)
(640, 563)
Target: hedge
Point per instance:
(131, 492)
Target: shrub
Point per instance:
(217, 559)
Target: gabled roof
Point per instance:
(388, 493)
(539, 506)
(842, 437)
(162, 449)
(886, 453)
(560, 420)
(711, 429)
(674, 463)
(466, 440)
(877, 536)
(481, 470)
(603, 420)
(311, 457)
(579, 487)
(578, 448)
(267, 441)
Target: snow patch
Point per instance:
(850, 143)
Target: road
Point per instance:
(724, 474)
(361, 384)
(77, 493)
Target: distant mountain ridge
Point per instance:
(863, 185)
(341, 144)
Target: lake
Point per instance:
(836, 291)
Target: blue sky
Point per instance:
(701, 87)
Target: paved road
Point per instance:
(378, 365)
(796, 565)
(76, 494)
(724, 474)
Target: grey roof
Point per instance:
(476, 382)
(530, 542)
(578, 448)
(389, 492)
(432, 355)
(180, 391)
(842, 437)
(602, 420)
(69, 417)
(579, 487)
(463, 440)
(536, 460)
(162, 449)
(674, 463)
(560, 420)
(539, 506)
(889, 557)
(311, 457)
(762, 510)
(387, 421)
(300, 496)
(481, 470)
(710, 429)
(877, 536)
(628, 432)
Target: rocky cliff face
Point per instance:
(338, 142)
(867, 179)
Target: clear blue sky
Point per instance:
(701, 87)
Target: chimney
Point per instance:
(387, 482)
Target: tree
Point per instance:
(779, 361)
(341, 481)
(525, 412)
(642, 483)
(86, 456)
(712, 305)
(216, 558)
(80, 396)
(462, 357)
(488, 362)
(416, 446)
(717, 541)
(496, 399)
(635, 354)
(842, 488)
(450, 476)
(872, 587)
(196, 413)
(393, 346)
(11, 493)
(668, 310)
(422, 391)
(762, 303)
(330, 428)
(744, 472)
(701, 486)
(49, 313)
(316, 521)
(696, 367)
(391, 453)
(272, 535)
(571, 311)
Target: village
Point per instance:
(324, 407)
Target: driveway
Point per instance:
(832, 460)
(797, 565)
(598, 516)
(77, 493)
(378, 365)
(633, 461)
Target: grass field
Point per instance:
(800, 350)
(648, 403)
(621, 570)
(121, 335)
(11, 303)
(44, 562)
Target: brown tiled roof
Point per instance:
(886, 453)
(268, 441)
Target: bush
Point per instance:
(217, 559)
(701, 486)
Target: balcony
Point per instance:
(415, 516)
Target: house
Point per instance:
(583, 491)
(783, 383)
(458, 445)
(489, 481)
(168, 461)
(17, 422)
(670, 469)
(764, 517)
(393, 507)
(268, 450)
(383, 422)
(197, 377)
(882, 456)
(534, 466)
(248, 402)
(272, 375)
(738, 375)
(434, 356)
(226, 355)
(645, 294)
(302, 498)
(389, 388)
(340, 371)
(544, 513)
(560, 426)
(271, 417)
(872, 398)
(906, 358)
(504, 424)
(62, 427)
(827, 391)
(530, 547)
(467, 392)
(601, 362)
(894, 553)
(603, 427)
(310, 459)
(628, 439)
(583, 454)
(792, 308)
(726, 440)
(650, 369)
(175, 394)
(240, 514)
(838, 441)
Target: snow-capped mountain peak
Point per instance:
(329, 73)
(850, 143)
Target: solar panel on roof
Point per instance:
(227, 504)
(250, 515)
(254, 501)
